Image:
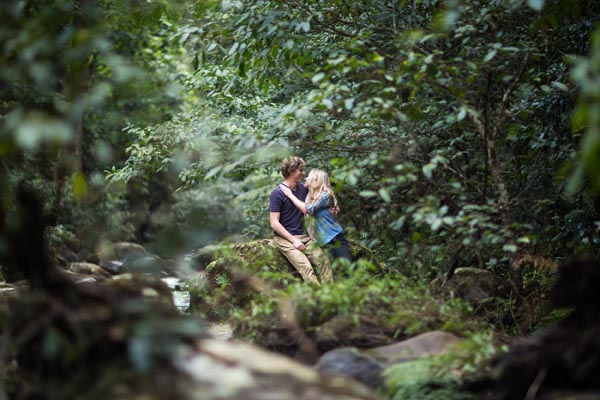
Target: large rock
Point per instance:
(367, 366)
(426, 344)
(116, 256)
(223, 281)
(253, 256)
(239, 273)
(228, 370)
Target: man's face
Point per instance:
(297, 175)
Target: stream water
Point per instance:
(180, 292)
(181, 299)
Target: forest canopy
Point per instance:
(442, 124)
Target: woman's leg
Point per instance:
(338, 248)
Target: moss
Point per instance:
(415, 380)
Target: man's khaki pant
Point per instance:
(302, 260)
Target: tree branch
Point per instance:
(502, 109)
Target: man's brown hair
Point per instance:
(291, 164)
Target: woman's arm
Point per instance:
(297, 202)
(323, 203)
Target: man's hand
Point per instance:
(298, 244)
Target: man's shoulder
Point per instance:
(276, 193)
(276, 190)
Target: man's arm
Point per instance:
(281, 231)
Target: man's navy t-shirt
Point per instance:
(290, 216)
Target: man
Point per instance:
(287, 222)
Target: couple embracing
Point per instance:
(288, 203)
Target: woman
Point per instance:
(319, 202)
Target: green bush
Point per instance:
(398, 306)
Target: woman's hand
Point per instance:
(286, 190)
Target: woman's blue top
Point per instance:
(326, 226)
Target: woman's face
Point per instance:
(307, 182)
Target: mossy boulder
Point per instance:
(117, 257)
(207, 254)
(367, 366)
(234, 274)
(476, 286)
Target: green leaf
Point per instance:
(79, 186)
(317, 78)
(416, 237)
(385, 195)
(213, 172)
(428, 169)
(367, 193)
(233, 48)
(560, 86)
(536, 4)
(448, 220)
(305, 26)
(352, 179)
(490, 55)
(510, 248)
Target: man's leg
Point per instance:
(318, 258)
(297, 258)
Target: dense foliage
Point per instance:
(447, 129)
(457, 133)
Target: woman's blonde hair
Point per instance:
(319, 184)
